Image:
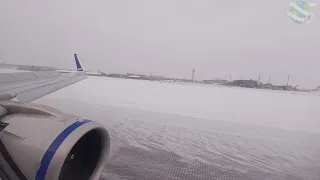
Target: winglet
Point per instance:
(79, 67)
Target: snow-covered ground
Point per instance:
(190, 131)
(285, 110)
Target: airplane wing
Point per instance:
(38, 142)
(29, 86)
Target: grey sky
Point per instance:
(164, 37)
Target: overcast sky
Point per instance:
(164, 37)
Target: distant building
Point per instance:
(115, 75)
(245, 83)
(3, 65)
(152, 77)
(266, 86)
(35, 68)
(216, 81)
(145, 77)
(276, 87)
(134, 76)
(289, 88)
(27, 67)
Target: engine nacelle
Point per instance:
(39, 142)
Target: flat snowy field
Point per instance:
(192, 131)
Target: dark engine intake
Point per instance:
(39, 142)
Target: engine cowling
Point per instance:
(39, 142)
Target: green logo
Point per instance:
(300, 12)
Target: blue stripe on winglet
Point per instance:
(79, 68)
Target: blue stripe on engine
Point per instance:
(47, 157)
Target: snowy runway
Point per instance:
(188, 131)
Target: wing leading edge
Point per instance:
(29, 86)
